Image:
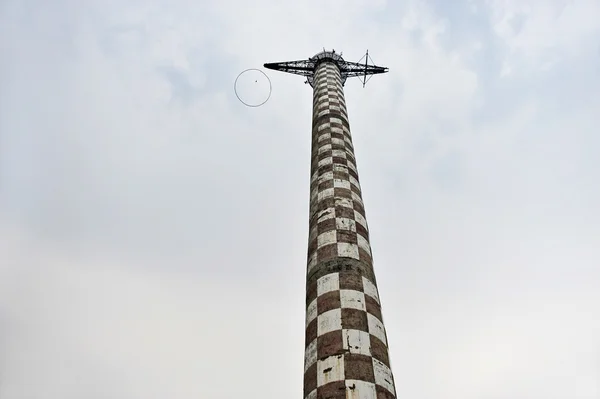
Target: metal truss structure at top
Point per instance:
(347, 69)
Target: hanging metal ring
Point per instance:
(237, 95)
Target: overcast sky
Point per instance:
(153, 230)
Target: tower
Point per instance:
(346, 353)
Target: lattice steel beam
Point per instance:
(347, 69)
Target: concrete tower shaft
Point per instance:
(346, 353)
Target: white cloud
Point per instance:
(538, 34)
(75, 325)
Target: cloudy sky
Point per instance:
(153, 230)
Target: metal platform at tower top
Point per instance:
(347, 69)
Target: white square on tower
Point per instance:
(312, 261)
(329, 370)
(329, 321)
(341, 183)
(345, 202)
(324, 136)
(324, 148)
(338, 153)
(370, 289)
(383, 376)
(357, 389)
(345, 224)
(356, 341)
(325, 176)
(347, 250)
(326, 238)
(310, 355)
(311, 312)
(360, 219)
(353, 299)
(327, 283)
(376, 327)
(337, 141)
(328, 192)
(328, 213)
(364, 244)
(325, 161)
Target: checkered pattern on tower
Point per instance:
(346, 353)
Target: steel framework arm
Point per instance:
(347, 69)
(304, 67)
